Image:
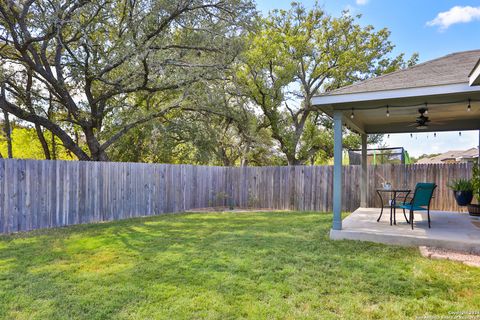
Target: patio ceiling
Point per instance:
(443, 84)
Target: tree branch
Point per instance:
(55, 129)
(135, 123)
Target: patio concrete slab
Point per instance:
(450, 230)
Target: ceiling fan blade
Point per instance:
(422, 127)
(449, 119)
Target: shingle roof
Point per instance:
(451, 155)
(450, 69)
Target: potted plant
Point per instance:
(474, 209)
(462, 190)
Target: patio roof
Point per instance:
(444, 85)
(391, 103)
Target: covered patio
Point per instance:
(438, 95)
(450, 230)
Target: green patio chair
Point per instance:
(420, 201)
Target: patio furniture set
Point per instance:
(420, 201)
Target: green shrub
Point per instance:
(475, 181)
(461, 185)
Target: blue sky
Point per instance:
(432, 28)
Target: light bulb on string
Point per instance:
(388, 112)
(352, 115)
(469, 108)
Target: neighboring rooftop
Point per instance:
(452, 156)
(451, 69)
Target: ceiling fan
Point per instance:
(421, 123)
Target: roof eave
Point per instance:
(474, 76)
(410, 97)
(331, 100)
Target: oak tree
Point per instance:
(297, 53)
(110, 66)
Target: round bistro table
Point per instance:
(393, 198)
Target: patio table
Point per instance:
(393, 192)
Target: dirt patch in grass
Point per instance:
(467, 258)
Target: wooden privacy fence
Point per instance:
(43, 194)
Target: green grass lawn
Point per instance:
(223, 266)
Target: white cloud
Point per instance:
(361, 2)
(455, 15)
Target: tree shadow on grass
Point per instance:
(222, 265)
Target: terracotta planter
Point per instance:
(474, 210)
(463, 197)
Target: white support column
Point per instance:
(337, 171)
(363, 182)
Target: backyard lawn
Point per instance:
(223, 266)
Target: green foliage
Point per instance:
(415, 160)
(461, 185)
(294, 54)
(257, 265)
(25, 145)
(195, 82)
(475, 181)
(118, 64)
(215, 128)
(316, 145)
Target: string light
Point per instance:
(469, 108)
(411, 135)
(434, 134)
(388, 112)
(424, 105)
(388, 136)
(352, 115)
(460, 133)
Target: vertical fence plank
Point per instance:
(3, 182)
(40, 194)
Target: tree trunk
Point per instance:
(8, 133)
(43, 141)
(223, 155)
(54, 148)
(293, 161)
(96, 152)
(243, 159)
